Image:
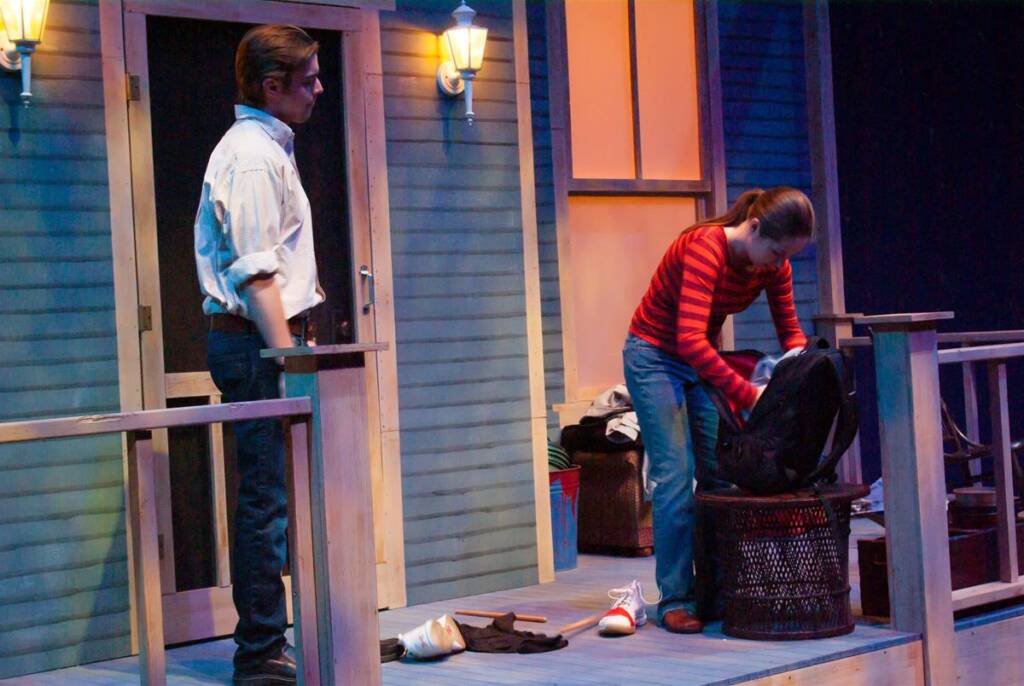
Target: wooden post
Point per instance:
(917, 538)
(534, 324)
(833, 327)
(341, 506)
(824, 167)
(300, 547)
(1006, 517)
(972, 427)
(146, 560)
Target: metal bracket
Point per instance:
(145, 318)
(133, 90)
(367, 275)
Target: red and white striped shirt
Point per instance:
(693, 290)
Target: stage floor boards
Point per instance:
(651, 656)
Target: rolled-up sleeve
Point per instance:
(249, 206)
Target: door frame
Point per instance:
(134, 246)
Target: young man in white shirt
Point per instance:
(256, 267)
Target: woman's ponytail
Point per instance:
(783, 213)
(735, 214)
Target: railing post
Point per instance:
(341, 506)
(146, 558)
(971, 425)
(300, 546)
(1002, 465)
(917, 537)
(833, 327)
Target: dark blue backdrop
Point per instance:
(929, 101)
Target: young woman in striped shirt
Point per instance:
(713, 269)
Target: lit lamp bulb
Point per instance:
(23, 22)
(462, 55)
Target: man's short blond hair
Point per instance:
(270, 50)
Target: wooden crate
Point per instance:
(973, 560)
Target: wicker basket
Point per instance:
(613, 515)
(784, 574)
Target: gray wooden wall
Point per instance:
(63, 571)
(457, 248)
(764, 108)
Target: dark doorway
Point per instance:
(192, 95)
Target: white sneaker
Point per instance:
(434, 637)
(627, 612)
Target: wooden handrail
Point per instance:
(322, 350)
(855, 342)
(1005, 336)
(91, 425)
(142, 514)
(982, 352)
(959, 337)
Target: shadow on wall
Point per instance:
(10, 89)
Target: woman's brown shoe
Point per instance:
(681, 622)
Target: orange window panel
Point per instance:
(667, 89)
(600, 89)
(616, 243)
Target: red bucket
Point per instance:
(565, 491)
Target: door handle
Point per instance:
(367, 275)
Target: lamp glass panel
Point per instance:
(466, 45)
(444, 48)
(24, 19)
(10, 17)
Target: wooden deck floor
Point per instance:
(651, 656)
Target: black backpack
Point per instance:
(779, 448)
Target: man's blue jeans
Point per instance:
(261, 517)
(679, 426)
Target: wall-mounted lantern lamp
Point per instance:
(22, 23)
(462, 55)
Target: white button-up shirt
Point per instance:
(254, 218)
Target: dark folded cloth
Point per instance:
(500, 637)
(391, 649)
(589, 436)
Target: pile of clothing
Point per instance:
(609, 425)
(446, 635)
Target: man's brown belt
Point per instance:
(232, 323)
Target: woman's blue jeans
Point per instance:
(679, 426)
(261, 517)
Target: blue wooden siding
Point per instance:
(547, 238)
(764, 109)
(63, 570)
(457, 251)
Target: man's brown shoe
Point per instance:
(273, 671)
(681, 622)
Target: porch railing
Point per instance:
(906, 360)
(136, 428)
(330, 532)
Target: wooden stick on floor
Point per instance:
(584, 623)
(494, 615)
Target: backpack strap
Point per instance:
(846, 418)
(721, 404)
(833, 523)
